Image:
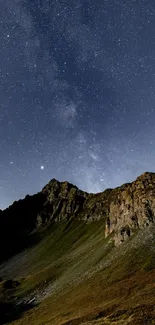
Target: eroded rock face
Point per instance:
(63, 202)
(96, 207)
(133, 207)
(122, 210)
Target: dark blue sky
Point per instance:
(77, 93)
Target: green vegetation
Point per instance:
(72, 258)
(78, 277)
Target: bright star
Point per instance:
(42, 167)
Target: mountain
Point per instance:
(83, 258)
(123, 210)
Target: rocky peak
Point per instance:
(63, 201)
(145, 178)
(55, 187)
(52, 184)
(123, 210)
(131, 207)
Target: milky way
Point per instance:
(77, 98)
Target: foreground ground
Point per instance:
(76, 276)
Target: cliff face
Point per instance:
(63, 201)
(123, 210)
(19, 223)
(131, 208)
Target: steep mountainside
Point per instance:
(63, 201)
(123, 210)
(62, 262)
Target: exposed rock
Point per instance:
(123, 210)
(56, 202)
(133, 207)
(63, 202)
(96, 207)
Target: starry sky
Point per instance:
(77, 93)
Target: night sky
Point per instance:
(77, 93)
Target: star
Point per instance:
(72, 114)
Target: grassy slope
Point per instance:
(84, 279)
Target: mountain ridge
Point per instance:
(123, 209)
(62, 262)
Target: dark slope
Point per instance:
(123, 211)
(69, 258)
(76, 276)
(19, 223)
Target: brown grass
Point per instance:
(94, 283)
(131, 301)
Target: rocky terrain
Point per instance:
(124, 209)
(94, 253)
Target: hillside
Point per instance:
(78, 258)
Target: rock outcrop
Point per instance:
(131, 207)
(63, 201)
(123, 210)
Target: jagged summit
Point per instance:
(54, 183)
(62, 235)
(61, 244)
(123, 210)
(146, 175)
